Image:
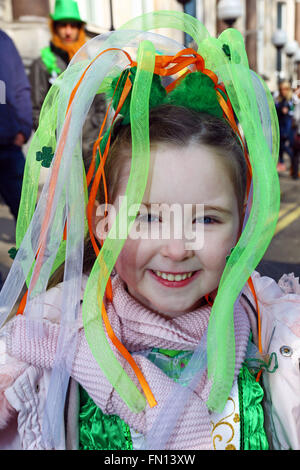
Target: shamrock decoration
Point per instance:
(226, 50)
(13, 252)
(45, 156)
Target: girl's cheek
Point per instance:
(217, 261)
(127, 259)
(124, 258)
(215, 251)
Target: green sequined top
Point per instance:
(98, 431)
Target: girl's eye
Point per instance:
(149, 218)
(205, 220)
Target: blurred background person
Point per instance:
(285, 111)
(67, 37)
(15, 122)
(296, 139)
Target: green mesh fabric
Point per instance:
(262, 221)
(41, 138)
(232, 68)
(95, 334)
(44, 137)
(157, 93)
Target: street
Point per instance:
(282, 256)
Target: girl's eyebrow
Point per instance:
(148, 205)
(217, 208)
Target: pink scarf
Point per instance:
(138, 329)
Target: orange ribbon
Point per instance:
(100, 173)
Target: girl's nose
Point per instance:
(175, 250)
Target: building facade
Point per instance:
(259, 20)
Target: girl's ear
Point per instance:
(99, 222)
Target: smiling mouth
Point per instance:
(174, 279)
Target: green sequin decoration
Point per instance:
(171, 362)
(98, 431)
(253, 436)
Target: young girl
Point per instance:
(175, 359)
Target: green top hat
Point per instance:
(66, 10)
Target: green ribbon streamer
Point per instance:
(261, 224)
(93, 297)
(256, 236)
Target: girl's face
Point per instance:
(170, 274)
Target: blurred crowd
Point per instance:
(287, 104)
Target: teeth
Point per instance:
(172, 277)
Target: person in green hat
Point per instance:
(67, 37)
(67, 27)
(66, 9)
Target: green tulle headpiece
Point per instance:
(157, 93)
(196, 91)
(203, 91)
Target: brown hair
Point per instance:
(178, 126)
